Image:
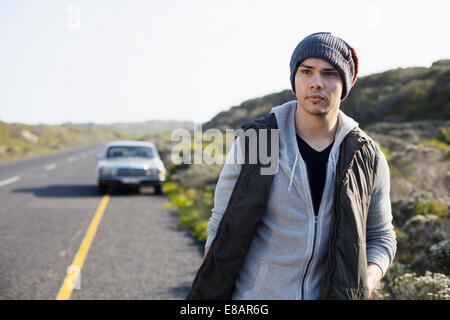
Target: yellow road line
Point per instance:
(77, 264)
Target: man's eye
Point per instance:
(330, 74)
(306, 71)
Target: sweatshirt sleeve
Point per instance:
(381, 240)
(224, 188)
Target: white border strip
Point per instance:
(51, 166)
(8, 181)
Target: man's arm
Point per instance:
(374, 275)
(206, 252)
(381, 241)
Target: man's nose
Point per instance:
(316, 82)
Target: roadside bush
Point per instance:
(432, 207)
(440, 256)
(444, 135)
(431, 286)
(402, 284)
(193, 206)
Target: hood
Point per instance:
(285, 115)
(144, 163)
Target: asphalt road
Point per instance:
(47, 203)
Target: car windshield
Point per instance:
(129, 151)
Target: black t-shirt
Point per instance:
(316, 163)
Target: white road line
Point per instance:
(51, 166)
(8, 181)
(71, 159)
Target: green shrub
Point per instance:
(400, 283)
(440, 256)
(446, 156)
(200, 231)
(193, 206)
(437, 144)
(170, 187)
(431, 286)
(444, 135)
(432, 207)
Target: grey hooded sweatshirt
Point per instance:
(286, 259)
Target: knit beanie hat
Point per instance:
(334, 50)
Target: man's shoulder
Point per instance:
(266, 121)
(360, 136)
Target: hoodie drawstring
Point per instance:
(292, 171)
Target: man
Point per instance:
(321, 226)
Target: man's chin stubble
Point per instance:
(323, 111)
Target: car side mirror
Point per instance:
(99, 156)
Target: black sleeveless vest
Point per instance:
(346, 263)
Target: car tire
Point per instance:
(158, 189)
(101, 189)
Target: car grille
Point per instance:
(130, 172)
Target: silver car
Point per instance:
(131, 164)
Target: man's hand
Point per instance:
(206, 252)
(374, 275)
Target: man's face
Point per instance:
(318, 86)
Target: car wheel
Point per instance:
(101, 189)
(158, 190)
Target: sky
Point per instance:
(107, 61)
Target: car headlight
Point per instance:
(151, 172)
(109, 171)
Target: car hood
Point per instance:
(144, 163)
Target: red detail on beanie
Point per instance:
(356, 62)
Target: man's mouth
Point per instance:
(315, 98)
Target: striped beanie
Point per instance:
(334, 50)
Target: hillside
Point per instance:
(237, 115)
(20, 140)
(149, 127)
(392, 96)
